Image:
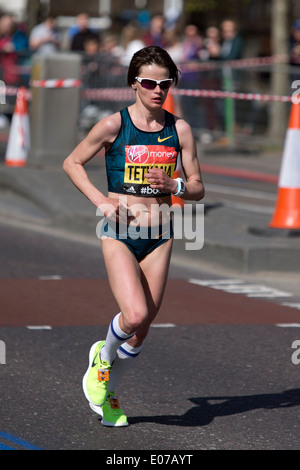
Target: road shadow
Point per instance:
(204, 412)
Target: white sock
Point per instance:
(115, 337)
(125, 358)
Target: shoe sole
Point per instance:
(98, 410)
(84, 380)
(113, 425)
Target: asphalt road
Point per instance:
(216, 372)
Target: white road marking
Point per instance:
(53, 277)
(238, 286)
(244, 193)
(288, 325)
(39, 327)
(292, 305)
(241, 192)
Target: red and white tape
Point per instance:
(126, 94)
(231, 94)
(109, 94)
(13, 91)
(235, 64)
(56, 83)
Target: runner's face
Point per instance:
(152, 98)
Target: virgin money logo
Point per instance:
(138, 154)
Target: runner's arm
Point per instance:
(102, 135)
(194, 188)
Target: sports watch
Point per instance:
(180, 187)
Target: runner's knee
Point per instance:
(134, 318)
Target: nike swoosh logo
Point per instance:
(166, 138)
(95, 360)
(158, 236)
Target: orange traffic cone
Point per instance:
(19, 136)
(169, 105)
(287, 210)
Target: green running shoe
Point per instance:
(111, 413)
(95, 380)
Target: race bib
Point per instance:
(139, 159)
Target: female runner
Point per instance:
(142, 144)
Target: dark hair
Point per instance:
(151, 55)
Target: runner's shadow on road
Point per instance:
(205, 411)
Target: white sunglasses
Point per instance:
(150, 84)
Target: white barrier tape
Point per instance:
(56, 83)
(13, 91)
(231, 94)
(119, 94)
(255, 61)
(238, 63)
(126, 94)
(109, 94)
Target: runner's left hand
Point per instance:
(159, 179)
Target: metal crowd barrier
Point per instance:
(216, 98)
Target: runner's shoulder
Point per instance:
(111, 123)
(183, 128)
(107, 127)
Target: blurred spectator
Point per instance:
(232, 43)
(192, 44)
(143, 19)
(295, 44)
(8, 55)
(83, 33)
(21, 43)
(211, 80)
(212, 42)
(111, 72)
(91, 46)
(172, 15)
(110, 47)
(91, 63)
(45, 38)
(154, 35)
(20, 38)
(231, 49)
(74, 29)
(130, 43)
(81, 20)
(173, 45)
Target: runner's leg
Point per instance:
(125, 281)
(154, 275)
(151, 277)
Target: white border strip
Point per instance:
(39, 327)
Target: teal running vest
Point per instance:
(135, 151)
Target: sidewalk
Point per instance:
(45, 197)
